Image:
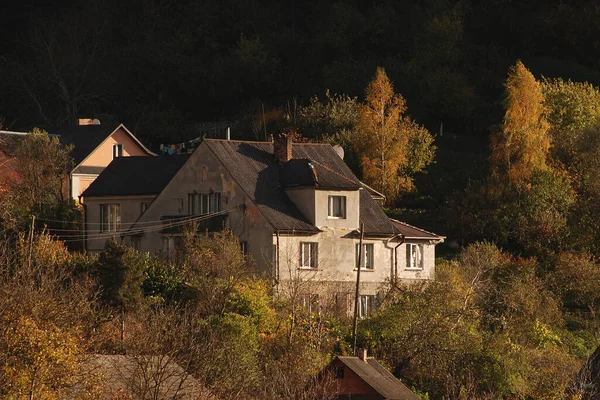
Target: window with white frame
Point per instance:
(337, 207)
(203, 203)
(309, 255)
(310, 303)
(414, 256)
(117, 150)
(367, 256)
(244, 247)
(110, 217)
(366, 305)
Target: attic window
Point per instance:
(117, 150)
(337, 207)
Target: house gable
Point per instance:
(204, 174)
(102, 155)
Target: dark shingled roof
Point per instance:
(256, 170)
(84, 138)
(9, 141)
(305, 172)
(412, 232)
(259, 173)
(130, 176)
(379, 378)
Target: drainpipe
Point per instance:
(84, 223)
(277, 260)
(402, 240)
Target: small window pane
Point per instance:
(414, 254)
(308, 255)
(110, 215)
(365, 306)
(368, 256)
(337, 207)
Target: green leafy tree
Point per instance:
(571, 109)
(120, 272)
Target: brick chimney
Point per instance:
(282, 146)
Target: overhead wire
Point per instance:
(179, 221)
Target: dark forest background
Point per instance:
(165, 68)
(160, 66)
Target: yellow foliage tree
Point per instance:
(390, 145)
(523, 143)
(41, 362)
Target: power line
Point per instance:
(184, 220)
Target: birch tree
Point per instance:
(391, 146)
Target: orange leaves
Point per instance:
(523, 144)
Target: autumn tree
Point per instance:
(571, 108)
(46, 311)
(42, 165)
(523, 144)
(391, 146)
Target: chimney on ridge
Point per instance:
(282, 146)
(362, 354)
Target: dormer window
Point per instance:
(337, 207)
(117, 150)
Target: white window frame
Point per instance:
(117, 149)
(414, 256)
(110, 217)
(368, 255)
(309, 255)
(366, 305)
(310, 303)
(331, 209)
(204, 203)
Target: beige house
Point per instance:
(94, 147)
(296, 208)
(122, 193)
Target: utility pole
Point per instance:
(356, 294)
(31, 238)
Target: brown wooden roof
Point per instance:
(412, 232)
(378, 378)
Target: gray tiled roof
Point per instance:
(256, 170)
(137, 376)
(379, 378)
(129, 176)
(259, 173)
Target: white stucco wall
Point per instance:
(322, 209)
(428, 271)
